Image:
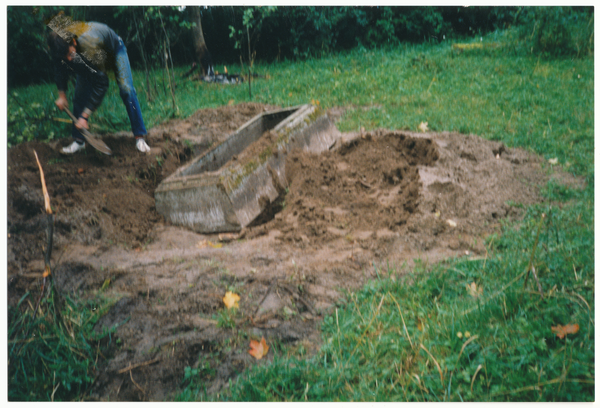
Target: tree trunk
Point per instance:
(140, 46)
(203, 56)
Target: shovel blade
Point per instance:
(96, 143)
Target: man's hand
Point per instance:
(81, 124)
(62, 101)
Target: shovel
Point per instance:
(96, 143)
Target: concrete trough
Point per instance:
(226, 188)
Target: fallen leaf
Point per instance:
(204, 243)
(225, 69)
(452, 223)
(290, 94)
(423, 126)
(419, 325)
(231, 102)
(258, 349)
(231, 300)
(553, 161)
(562, 331)
(80, 171)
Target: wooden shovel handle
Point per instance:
(85, 132)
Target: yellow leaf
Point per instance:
(231, 300)
(562, 331)
(290, 94)
(231, 102)
(204, 243)
(553, 161)
(258, 349)
(423, 127)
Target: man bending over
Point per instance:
(89, 50)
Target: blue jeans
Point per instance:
(122, 69)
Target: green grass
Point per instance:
(404, 337)
(512, 354)
(540, 104)
(54, 357)
(544, 105)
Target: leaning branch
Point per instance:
(49, 233)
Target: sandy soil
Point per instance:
(375, 199)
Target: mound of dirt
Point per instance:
(369, 184)
(376, 198)
(429, 187)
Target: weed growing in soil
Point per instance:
(57, 361)
(226, 318)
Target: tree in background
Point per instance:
(290, 32)
(203, 57)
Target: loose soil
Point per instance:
(376, 200)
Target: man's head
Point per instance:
(60, 48)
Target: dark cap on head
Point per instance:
(59, 48)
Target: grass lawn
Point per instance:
(458, 330)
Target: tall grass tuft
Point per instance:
(54, 357)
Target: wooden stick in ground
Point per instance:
(249, 64)
(530, 266)
(50, 228)
(49, 233)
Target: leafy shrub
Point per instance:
(557, 31)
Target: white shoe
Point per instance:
(73, 148)
(142, 146)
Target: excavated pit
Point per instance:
(226, 188)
